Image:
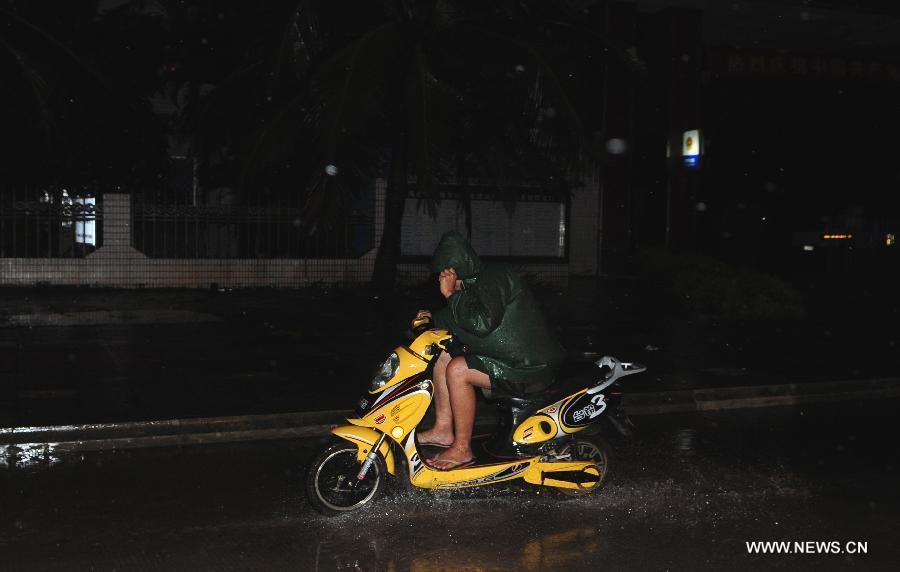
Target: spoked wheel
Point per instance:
(332, 485)
(587, 449)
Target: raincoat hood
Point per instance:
(454, 251)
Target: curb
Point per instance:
(750, 397)
(209, 430)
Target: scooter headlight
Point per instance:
(385, 372)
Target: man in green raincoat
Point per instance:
(511, 351)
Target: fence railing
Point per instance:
(161, 230)
(45, 225)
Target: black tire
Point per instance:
(335, 466)
(594, 449)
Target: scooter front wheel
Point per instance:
(332, 486)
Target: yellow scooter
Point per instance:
(535, 439)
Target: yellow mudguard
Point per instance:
(365, 438)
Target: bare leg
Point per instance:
(442, 431)
(461, 383)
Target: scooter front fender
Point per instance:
(365, 439)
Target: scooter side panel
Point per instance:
(365, 439)
(581, 410)
(401, 409)
(531, 430)
(536, 429)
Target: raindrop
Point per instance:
(701, 207)
(616, 146)
(804, 16)
(550, 113)
(520, 68)
(331, 170)
(296, 222)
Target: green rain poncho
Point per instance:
(498, 319)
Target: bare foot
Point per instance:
(435, 438)
(452, 458)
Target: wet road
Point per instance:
(687, 494)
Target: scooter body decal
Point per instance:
(583, 410)
(502, 475)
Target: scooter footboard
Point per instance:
(578, 475)
(365, 439)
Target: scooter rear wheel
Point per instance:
(587, 449)
(332, 486)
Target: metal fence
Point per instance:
(49, 224)
(173, 226)
(178, 239)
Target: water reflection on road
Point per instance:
(567, 549)
(685, 495)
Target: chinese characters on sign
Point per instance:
(733, 62)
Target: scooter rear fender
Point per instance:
(365, 439)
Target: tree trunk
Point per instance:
(385, 272)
